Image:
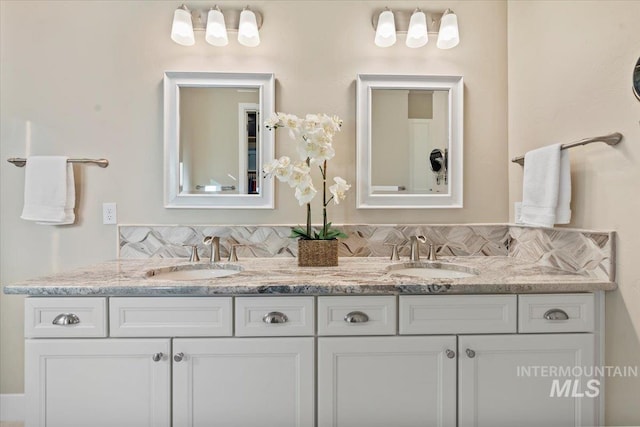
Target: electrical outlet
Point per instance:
(109, 213)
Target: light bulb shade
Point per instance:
(448, 36)
(182, 28)
(216, 34)
(248, 34)
(386, 30)
(417, 34)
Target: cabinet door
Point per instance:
(508, 380)
(387, 381)
(91, 382)
(243, 382)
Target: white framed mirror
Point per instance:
(214, 145)
(409, 138)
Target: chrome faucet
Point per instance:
(414, 254)
(214, 241)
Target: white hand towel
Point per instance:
(546, 189)
(49, 190)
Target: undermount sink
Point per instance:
(193, 272)
(432, 270)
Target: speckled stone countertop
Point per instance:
(495, 274)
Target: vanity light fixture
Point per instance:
(417, 35)
(414, 25)
(248, 34)
(448, 35)
(216, 26)
(182, 27)
(386, 29)
(216, 33)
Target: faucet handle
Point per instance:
(394, 251)
(233, 254)
(194, 253)
(432, 256)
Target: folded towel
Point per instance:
(49, 190)
(546, 188)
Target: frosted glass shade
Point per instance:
(182, 28)
(248, 34)
(386, 30)
(216, 34)
(417, 34)
(448, 36)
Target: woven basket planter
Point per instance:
(317, 253)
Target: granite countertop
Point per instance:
(128, 277)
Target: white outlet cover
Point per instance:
(109, 213)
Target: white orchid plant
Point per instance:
(314, 137)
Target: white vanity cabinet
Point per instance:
(98, 382)
(460, 360)
(244, 382)
(305, 361)
(494, 389)
(386, 381)
(380, 379)
(196, 376)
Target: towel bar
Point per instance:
(611, 139)
(20, 162)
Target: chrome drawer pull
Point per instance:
(178, 357)
(450, 354)
(157, 357)
(275, 317)
(556, 314)
(65, 319)
(356, 317)
(470, 353)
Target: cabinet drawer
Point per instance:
(369, 315)
(170, 317)
(274, 316)
(77, 317)
(556, 313)
(458, 314)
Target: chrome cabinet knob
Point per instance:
(450, 353)
(275, 317)
(65, 319)
(157, 357)
(178, 357)
(356, 317)
(556, 314)
(470, 353)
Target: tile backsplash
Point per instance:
(583, 252)
(591, 253)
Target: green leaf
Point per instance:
(299, 232)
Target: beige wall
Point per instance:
(570, 68)
(84, 78)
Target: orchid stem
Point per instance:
(324, 199)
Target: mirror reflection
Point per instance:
(409, 141)
(212, 140)
(219, 140)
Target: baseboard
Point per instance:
(11, 407)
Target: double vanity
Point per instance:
(262, 342)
